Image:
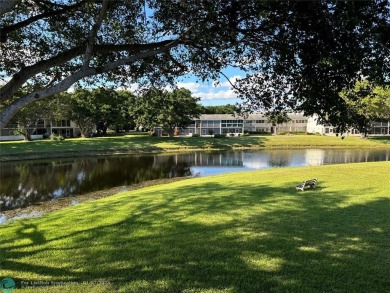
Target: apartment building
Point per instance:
(209, 124)
(41, 129)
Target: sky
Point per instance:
(210, 92)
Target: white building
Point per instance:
(209, 124)
(42, 129)
(378, 128)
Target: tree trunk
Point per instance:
(27, 136)
(170, 132)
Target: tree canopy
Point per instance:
(170, 110)
(222, 109)
(276, 118)
(297, 54)
(367, 103)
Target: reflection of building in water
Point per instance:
(234, 159)
(315, 157)
(255, 160)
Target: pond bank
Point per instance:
(44, 207)
(133, 144)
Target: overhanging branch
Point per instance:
(66, 83)
(5, 31)
(9, 89)
(7, 5)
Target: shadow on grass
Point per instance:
(247, 239)
(227, 143)
(381, 139)
(76, 146)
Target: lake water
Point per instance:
(24, 183)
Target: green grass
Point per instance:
(142, 143)
(243, 232)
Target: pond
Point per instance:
(25, 183)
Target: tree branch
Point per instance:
(233, 85)
(66, 83)
(9, 89)
(7, 5)
(93, 32)
(5, 31)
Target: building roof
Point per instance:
(255, 116)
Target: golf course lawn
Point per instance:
(21, 150)
(242, 232)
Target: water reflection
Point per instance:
(23, 183)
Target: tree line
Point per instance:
(101, 109)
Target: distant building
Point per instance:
(314, 127)
(378, 128)
(207, 125)
(210, 124)
(43, 128)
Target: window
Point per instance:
(232, 123)
(260, 121)
(61, 123)
(12, 125)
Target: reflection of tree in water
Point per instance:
(279, 159)
(169, 167)
(26, 183)
(33, 182)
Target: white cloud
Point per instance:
(214, 91)
(213, 94)
(226, 83)
(132, 87)
(192, 86)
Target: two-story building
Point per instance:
(43, 128)
(209, 124)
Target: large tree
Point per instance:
(275, 118)
(170, 110)
(297, 53)
(29, 118)
(367, 103)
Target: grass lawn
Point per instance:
(243, 232)
(144, 143)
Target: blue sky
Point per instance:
(209, 92)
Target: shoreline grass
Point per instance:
(145, 144)
(242, 232)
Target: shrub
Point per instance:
(195, 135)
(53, 136)
(219, 135)
(259, 132)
